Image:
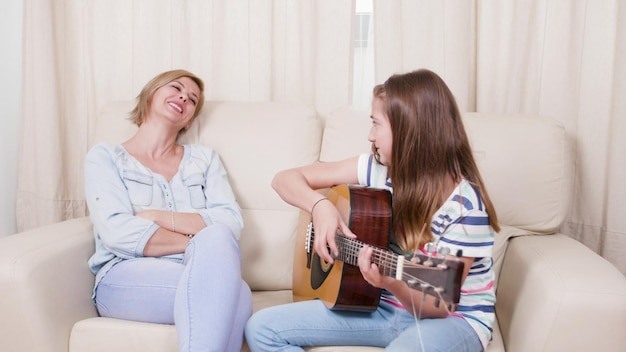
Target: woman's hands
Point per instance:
(171, 237)
(150, 214)
(183, 223)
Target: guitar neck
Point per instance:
(389, 263)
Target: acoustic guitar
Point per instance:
(340, 285)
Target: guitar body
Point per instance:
(341, 286)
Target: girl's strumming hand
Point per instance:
(327, 222)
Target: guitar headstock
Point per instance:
(435, 274)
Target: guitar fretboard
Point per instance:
(386, 261)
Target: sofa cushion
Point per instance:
(560, 279)
(112, 124)
(521, 157)
(345, 134)
(254, 141)
(106, 334)
(513, 145)
(524, 160)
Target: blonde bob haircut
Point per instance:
(144, 99)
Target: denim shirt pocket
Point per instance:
(139, 187)
(195, 186)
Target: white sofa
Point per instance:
(553, 293)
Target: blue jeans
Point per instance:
(311, 323)
(204, 296)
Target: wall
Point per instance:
(10, 101)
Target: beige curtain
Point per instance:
(438, 35)
(80, 55)
(565, 59)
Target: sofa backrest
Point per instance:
(524, 160)
(254, 141)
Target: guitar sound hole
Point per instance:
(319, 271)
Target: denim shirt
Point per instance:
(117, 187)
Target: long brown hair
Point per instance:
(144, 99)
(429, 145)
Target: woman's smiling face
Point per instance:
(177, 99)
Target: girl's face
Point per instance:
(177, 100)
(380, 133)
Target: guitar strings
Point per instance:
(416, 316)
(386, 261)
(388, 264)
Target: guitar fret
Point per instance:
(349, 253)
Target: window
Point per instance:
(363, 60)
(362, 23)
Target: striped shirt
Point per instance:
(460, 224)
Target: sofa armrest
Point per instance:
(45, 285)
(555, 294)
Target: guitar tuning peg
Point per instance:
(443, 252)
(423, 287)
(430, 248)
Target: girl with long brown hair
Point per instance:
(421, 153)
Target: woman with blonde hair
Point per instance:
(166, 224)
